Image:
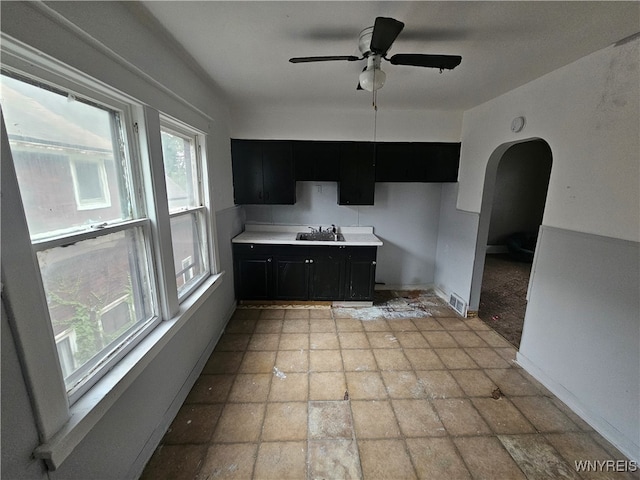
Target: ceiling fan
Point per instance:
(374, 43)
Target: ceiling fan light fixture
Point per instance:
(372, 79)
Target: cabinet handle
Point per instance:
(306, 261)
(269, 260)
(311, 261)
(373, 263)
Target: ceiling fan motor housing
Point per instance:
(364, 41)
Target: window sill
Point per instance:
(93, 405)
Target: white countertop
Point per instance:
(286, 235)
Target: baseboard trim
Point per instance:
(600, 425)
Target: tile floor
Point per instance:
(317, 394)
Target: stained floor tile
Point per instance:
(311, 393)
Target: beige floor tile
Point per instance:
(210, 389)
(359, 360)
(374, 419)
(258, 362)
(511, 382)
(271, 313)
(411, 340)
(576, 446)
(460, 417)
(229, 461)
(281, 460)
(322, 325)
(427, 324)
(330, 420)
(175, 462)
(365, 386)
(494, 339)
(474, 383)
(292, 360)
(383, 340)
(293, 387)
(452, 323)
(294, 341)
(241, 325)
(403, 384)
(391, 359)
(544, 415)
(223, 362)
(349, 325)
(246, 313)
(582, 425)
(385, 459)
(537, 458)
(402, 325)
(437, 458)
(508, 353)
(269, 326)
(325, 361)
(232, 342)
(502, 416)
(295, 325)
(440, 339)
(239, 422)
(378, 325)
(285, 421)
(455, 358)
(334, 459)
(193, 424)
(250, 387)
(487, 358)
(417, 418)
(476, 324)
(264, 341)
(324, 341)
(327, 386)
(320, 313)
(487, 458)
(438, 384)
(423, 359)
(353, 340)
(466, 338)
(297, 314)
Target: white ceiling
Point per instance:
(244, 47)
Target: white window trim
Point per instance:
(62, 426)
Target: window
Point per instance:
(90, 234)
(183, 176)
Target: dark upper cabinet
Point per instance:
(263, 172)
(417, 162)
(357, 174)
(316, 161)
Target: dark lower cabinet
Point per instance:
(362, 273)
(268, 272)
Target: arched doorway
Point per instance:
(513, 202)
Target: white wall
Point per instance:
(588, 113)
(108, 42)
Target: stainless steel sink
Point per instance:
(326, 236)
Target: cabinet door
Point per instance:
(253, 277)
(361, 273)
(291, 277)
(326, 274)
(278, 173)
(246, 158)
(357, 174)
(316, 161)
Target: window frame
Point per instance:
(201, 209)
(63, 422)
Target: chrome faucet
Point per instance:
(334, 230)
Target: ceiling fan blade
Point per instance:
(448, 62)
(349, 58)
(385, 31)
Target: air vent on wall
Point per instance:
(458, 304)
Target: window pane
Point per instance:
(98, 292)
(187, 253)
(180, 170)
(69, 172)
